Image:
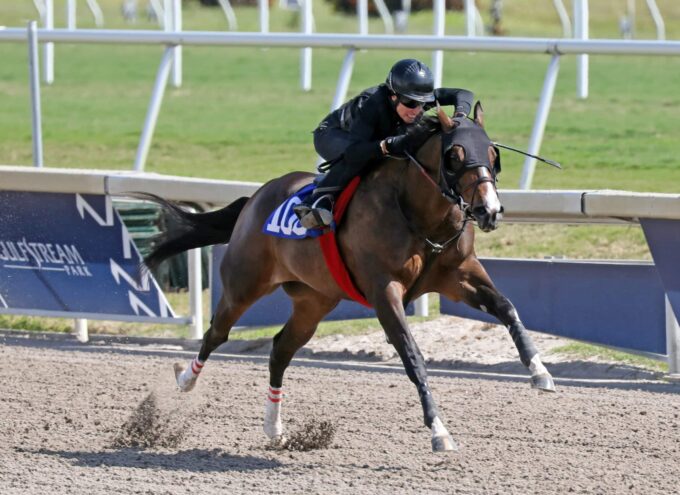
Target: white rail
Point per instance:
(557, 46)
(570, 206)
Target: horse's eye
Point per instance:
(457, 154)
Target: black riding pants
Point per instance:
(334, 143)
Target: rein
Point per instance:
(435, 247)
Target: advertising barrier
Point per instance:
(69, 255)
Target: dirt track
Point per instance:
(63, 403)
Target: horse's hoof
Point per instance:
(184, 384)
(543, 382)
(444, 443)
(279, 442)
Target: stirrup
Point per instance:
(317, 216)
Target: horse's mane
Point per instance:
(423, 130)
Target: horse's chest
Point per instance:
(411, 268)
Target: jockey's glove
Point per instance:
(395, 145)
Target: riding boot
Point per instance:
(316, 211)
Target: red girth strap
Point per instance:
(331, 253)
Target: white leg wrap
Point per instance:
(273, 427)
(441, 440)
(186, 380)
(536, 366)
(438, 428)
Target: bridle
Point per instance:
(452, 192)
(448, 193)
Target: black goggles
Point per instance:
(409, 103)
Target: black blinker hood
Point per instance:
(474, 141)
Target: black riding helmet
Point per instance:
(413, 79)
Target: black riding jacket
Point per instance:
(371, 117)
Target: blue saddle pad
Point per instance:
(283, 222)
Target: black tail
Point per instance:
(191, 230)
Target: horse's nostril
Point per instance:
(480, 211)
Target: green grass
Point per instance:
(241, 114)
(580, 350)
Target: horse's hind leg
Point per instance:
(473, 285)
(241, 289)
(217, 334)
(309, 307)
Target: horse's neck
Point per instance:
(422, 196)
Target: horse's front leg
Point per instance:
(496, 304)
(474, 286)
(390, 311)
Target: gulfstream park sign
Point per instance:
(43, 256)
(70, 255)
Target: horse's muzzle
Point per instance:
(487, 219)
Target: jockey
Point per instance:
(371, 126)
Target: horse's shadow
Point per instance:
(196, 460)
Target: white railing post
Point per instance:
(385, 15)
(48, 58)
(439, 7)
(70, 14)
(540, 121)
(80, 330)
(658, 19)
(40, 7)
(470, 18)
(564, 18)
(195, 292)
(672, 341)
(362, 16)
(96, 12)
(421, 306)
(343, 79)
(231, 15)
(581, 33)
(159, 11)
(36, 109)
(177, 57)
(154, 108)
(306, 53)
(264, 15)
(167, 15)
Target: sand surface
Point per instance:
(66, 406)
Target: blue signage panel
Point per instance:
(615, 304)
(70, 255)
(276, 308)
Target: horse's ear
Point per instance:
(479, 114)
(444, 120)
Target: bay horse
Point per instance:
(407, 231)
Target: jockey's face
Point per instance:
(407, 114)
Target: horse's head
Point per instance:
(470, 164)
